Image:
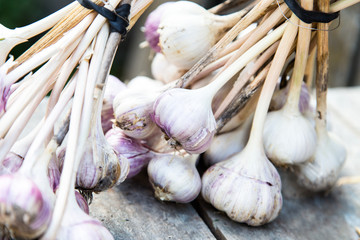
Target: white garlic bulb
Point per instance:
(247, 187)
(322, 171)
(132, 110)
(187, 31)
(164, 71)
(174, 177)
(225, 145)
(186, 118)
(289, 138)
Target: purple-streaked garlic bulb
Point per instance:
(152, 24)
(164, 71)
(12, 162)
(136, 154)
(225, 145)
(174, 177)
(247, 187)
(113, 87)
(186, 118)
(279, 99)
(322, 171)
(187, 31)
(54, 173)
(132, 110)
(24, 210)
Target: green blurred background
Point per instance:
(131, 61)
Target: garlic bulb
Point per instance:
(136, 154)
(132, 110)
(24, 211)
(225, 145)
(322, 171)
(289, 138)
(246, 187)
(187, 31)
(113, 87)
(11, 163)
(152, 24)
(164, 71)
(186, 118)
(174, 178)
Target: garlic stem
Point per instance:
(270, 82)
(43, 77)
(245, 78)
(244, 59)
(302, 52)
(342, 4)
(42, 25)
(310, 66)
(39, 141)
(249, 18)
(42, 56)
(21, 34)
(322, 71)
(71, 158)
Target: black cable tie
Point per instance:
(310, 16)
(119, 20)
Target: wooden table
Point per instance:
(131, 212)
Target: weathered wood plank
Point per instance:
(130, 211)
(304, 215)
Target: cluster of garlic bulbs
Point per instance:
(212, 98)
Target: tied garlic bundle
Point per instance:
(58, 64)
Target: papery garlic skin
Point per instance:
(82, 202)
(12, 162)
(163, 70)
(187, 31)
(113, 87)
(289, 138)
(322, 171)
(152, 24)
(186, 118)
(174, 178)
(136, 154)
(247, 187)
(23, 209)
(132, 110)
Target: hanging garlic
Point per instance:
(187, 31)
(164, 71)
(322, 171)
(113, 87)
(136, 154)
(152, 24)
(132, 111)
(289, 138)
(174, 177)
(225, 145)
(186, 118)
(247, 186)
